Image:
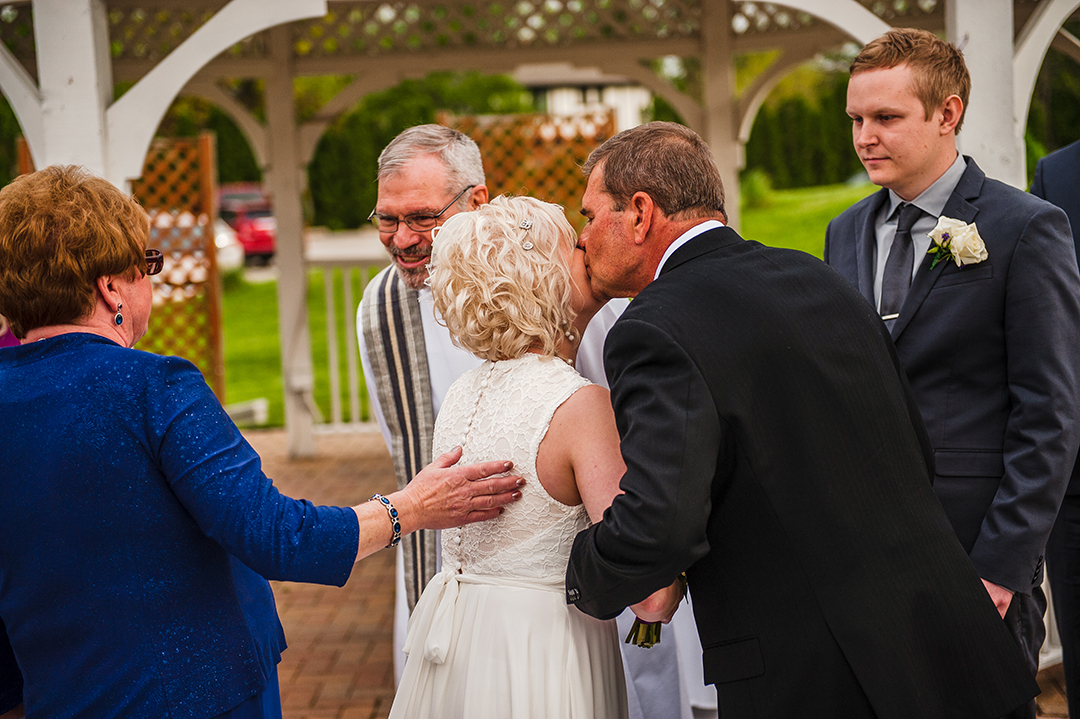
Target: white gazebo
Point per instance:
(60, 59)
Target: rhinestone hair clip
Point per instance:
(526, 225)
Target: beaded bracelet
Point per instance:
(395, 523)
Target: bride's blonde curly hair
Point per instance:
(500, 277)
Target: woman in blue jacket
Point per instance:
(137, 530)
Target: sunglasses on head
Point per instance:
(154, 261)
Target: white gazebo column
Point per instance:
(983, 29)
(718, 70)
(75, 79)
(283, 180)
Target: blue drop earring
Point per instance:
(119, 319)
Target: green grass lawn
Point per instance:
(797, 219)
(794, 218)
(252, 349)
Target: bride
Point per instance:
(492, 635)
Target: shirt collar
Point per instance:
(684, 238)
(932, 200)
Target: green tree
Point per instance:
(1054, 117)
(342, 174)
(9, 130)
(802, 136)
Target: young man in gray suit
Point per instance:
(985, 317)
(1057, 180)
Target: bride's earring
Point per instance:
(119, 319)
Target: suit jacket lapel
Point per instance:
(866, 244)
(705, 242)
(958, 207)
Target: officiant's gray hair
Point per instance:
(457, 152)
(668, 162)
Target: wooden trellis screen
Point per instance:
(538, 155)
(178, 190)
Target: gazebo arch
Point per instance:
(249, 126)
(1036, 37)
(754, 96)
(58, 67)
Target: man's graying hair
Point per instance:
(668, 162)
(457, 152)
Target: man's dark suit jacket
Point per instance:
(991, 352)
(775, 454)
(1064, 167)
(1064, 191)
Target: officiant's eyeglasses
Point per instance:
(418, 222)
(154, 262)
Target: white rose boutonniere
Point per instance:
(957, 241)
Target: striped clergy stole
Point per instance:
(394, 334)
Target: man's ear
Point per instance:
(950, 114)
(641, 209)
(478, 196)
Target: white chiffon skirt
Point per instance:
(486, 647)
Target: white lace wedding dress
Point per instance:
(492, 636)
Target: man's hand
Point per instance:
(660, 606)
(443, 495)
(1002, 597)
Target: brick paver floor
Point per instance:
(339, 663)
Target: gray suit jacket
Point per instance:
(992, 352)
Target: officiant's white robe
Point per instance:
(657, 679)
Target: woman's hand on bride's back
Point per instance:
(445, 494)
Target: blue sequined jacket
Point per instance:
(137, 532)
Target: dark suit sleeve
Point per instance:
(671, 442)
(1037, 183)
(1042, 337)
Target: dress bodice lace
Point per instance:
(501, 410)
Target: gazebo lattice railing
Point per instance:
(177, 189)
(538, 155)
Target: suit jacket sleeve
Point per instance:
(218, 478)
(671, 442)
(1037, 183)
(1042, 336)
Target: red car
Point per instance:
(247, 210)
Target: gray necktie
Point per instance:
(897, 277)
